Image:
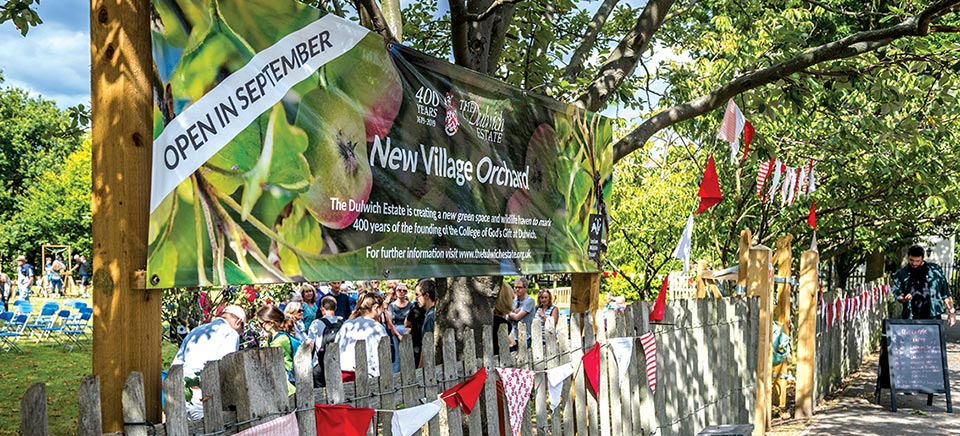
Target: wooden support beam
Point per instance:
(584, 292)
(701, 285)
(759, 284)
(807, 335)
(126, 322)
(783, 259)
(746, 239)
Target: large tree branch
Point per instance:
(575, 66)
(623, 60)
(466, 16)
(377, 22)
(853, 45)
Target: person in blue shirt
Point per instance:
(25, 277)
(344, 306)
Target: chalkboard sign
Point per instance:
(913, 358)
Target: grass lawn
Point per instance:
(61, 370)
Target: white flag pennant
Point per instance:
(785, 187)
(623, 352)
(649, 343)
(777, 172)
(517, 384)
(804, 181)
(555, 378)
(408, 421)
(682, 251)
(812, 184)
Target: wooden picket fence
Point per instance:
(842, 346)
(706, 358)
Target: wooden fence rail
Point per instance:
(706, 358)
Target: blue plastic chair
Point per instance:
(11, 330)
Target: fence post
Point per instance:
(701, 285)
(33, 411)
(213, 407)
(89, 423)
(759, 279)
(807, 334)
(134, 410)
(303, 375)
(175, 407)
(784, 260)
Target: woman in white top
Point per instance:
(363, 325)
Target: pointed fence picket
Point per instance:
(706, 358)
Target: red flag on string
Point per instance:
(812, 218)
(466, 393)
(747, 139)
(342, 420)
(658, 306)
(709, 187)
(591, 367)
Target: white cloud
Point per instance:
(53, 60)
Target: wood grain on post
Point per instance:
(431, 387)
(759, 284)
(807, 335)
(213, 406)
(134, 411)
(470, 367)
(584, 292)
(126, 333)
(89, 423)
(701, 285)
(491, 410)
(175, 404)
(566, 400)
(387, 385)
(304, 399)
(450, 375)
(579, 388)
(33, 411)
(783, 258)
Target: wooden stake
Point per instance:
(760, 280)
(746, 239)
(807, 334)
(584, 293)
(783, 258)
(126, 333)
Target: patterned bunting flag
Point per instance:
(283, 426)
(730, 128)
(763, 173)
(517, 384)
(649, 344)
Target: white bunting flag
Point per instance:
(785, 187)
(802, 184)
(555, 378)
(812, 184)
(682, 251)
(649, 344)
(408, 421)
(777, 172)
(623, 352)
(517, 384)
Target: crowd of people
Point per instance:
(328, 315)
(28, 282)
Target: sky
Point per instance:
(53, 60)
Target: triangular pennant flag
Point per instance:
(465, 394)
(661, 303)
(517, 384)
(623, 352)
(763, 173)
(778, 168)
(555, 379)
(785, 187)
(407, 421)
(748, 132)
(812, 185)
(343, 420)
(709, 187)
(733, 124)
(283, 426)
(813, 242)
(812, 217)
(794, 182)
(802, 184)
(649, 344)
(591, 367)
(682, 251)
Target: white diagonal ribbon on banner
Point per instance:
(203, 128)
(623, 352)
(408, 421)
(555, 378)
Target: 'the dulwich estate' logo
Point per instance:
(451, 122)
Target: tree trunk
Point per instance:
(465, 304)
(875, 265)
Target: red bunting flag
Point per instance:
(709, 187)
(466, 393)
(342, 420)
(762, 175)
(812, 218)
(658, 306)
(649, 343)
(591, 367)
(747, 139)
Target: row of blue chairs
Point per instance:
(68, 327)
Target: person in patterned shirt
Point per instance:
(922, 289)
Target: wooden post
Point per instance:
(783, 258)
(584, 293)
(701, 285)
(33, 411)
(807, 335)
(759, 281)
(746, 239)
(126, 332)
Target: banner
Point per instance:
(292, 145)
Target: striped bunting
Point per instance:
(649, 343)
